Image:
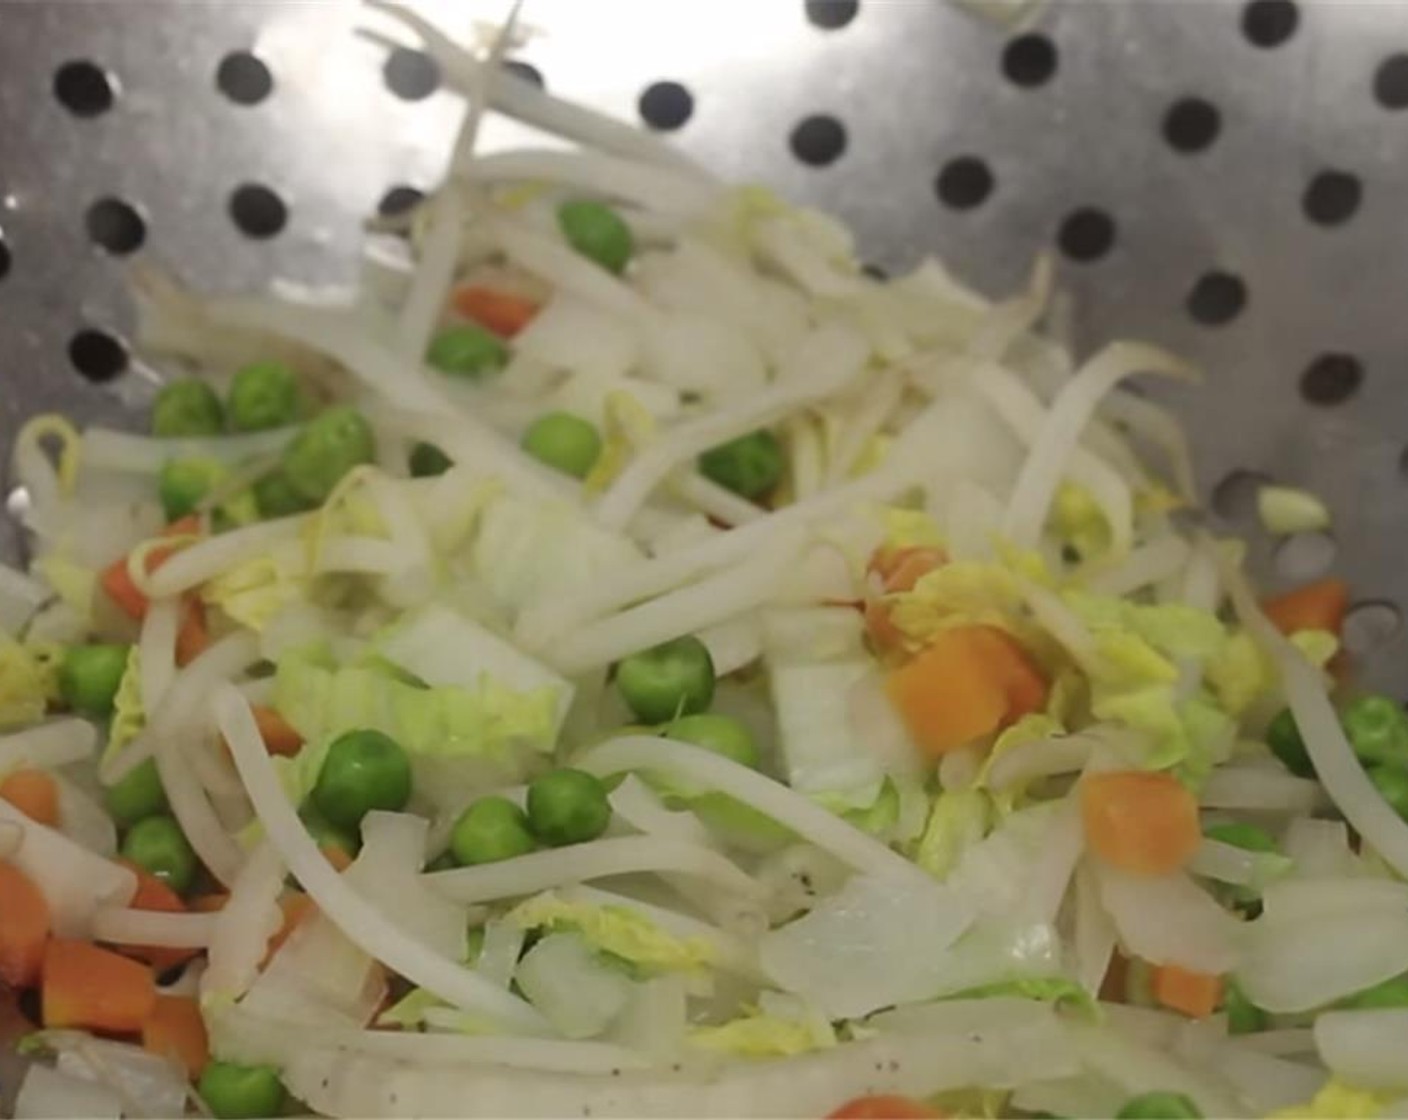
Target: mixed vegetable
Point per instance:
(631, 661)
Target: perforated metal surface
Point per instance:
(1228, 180)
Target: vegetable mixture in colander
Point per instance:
(626, 660)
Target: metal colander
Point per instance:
(1229, 180)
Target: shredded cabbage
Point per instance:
(624, 933)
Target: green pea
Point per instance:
(187, 407)
(137, 794)
(275, 496)
(1283, 737)
(674, 679)
(1243, 1016)
(1246, 836)
(1159, 1106)
(328, 835)
(750, 465)
(721, 734)
(597, 232)
(428, 461)
(236, 1092)
(568, 807)
(491, 829)
(363, 770)
(262, 396)
(158, 844)
(330, 445)
(89, 676)
(1389, 993)
(1392, 784)
(1377, 730)
(467, 350)
(565, 442)
(183, 484)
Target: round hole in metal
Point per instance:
(1235, 497)
(97, 355)
(665, 105)
(1029, 60)
(831, 14)
(1304, 556)
(1216, 298)
(1369, 625)
(115, 225)
(1391, 82)
(1191, 124)
(243, 78)
(257, 211)
(399, 199)
(1331, 378)
(84, 88)
(818, 140)
(525, 70)
(1269, 23)
(964, 182)
(1332, 197)
(1086, 234)
(411, 75)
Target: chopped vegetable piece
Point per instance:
(183, 484)
(565, 442)
(24, 927)
(428, 461)
(1242, 835)
(467, 350)
(89, 676)
(95, 989)
(1284, 510)
(1195, 994)
(750, 465)
(158, 845)
(263, 395)
(117, 581)
(568, 807)
(899, 569)
(34, 793)
(1159, 1106)
(673, 679)
(1140, 821)
(490, 829)
(328, 836)
(154, 894)
(885, 1107)
(597, 232)
(193, 636)
(276, 496)
(187, 407)
(278, 734)
(331, 444)
(1392, 784)
(1243, 1016)
(137, 794)
(721, 734)
(363, 770)
(1316, 606)
(176, 1029)
(1377, 730)
(1391, 993)
(1283, 737)
(502, 312)
(235, 1092)
(296, 908)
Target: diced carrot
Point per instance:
(885, 637)
(1141, 821)
(211, 903)
(899, 569)
(1021, 679)
(24, 927)
(117, 581)
(154, 894)
(1316, 606)
(502, 312)
(885, 1106)
(34, 793)
(175, 1029)
(92, 988)
(1196, 994)
(193, 636)
(278, 734)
